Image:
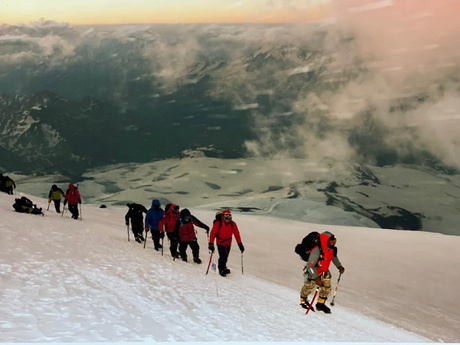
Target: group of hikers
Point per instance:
(317, 250)
(71, 197)
(179, 227)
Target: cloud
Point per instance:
(41, 41)
(349, 91)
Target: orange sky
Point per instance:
(77, 12)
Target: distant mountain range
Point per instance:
(46, 133)
(77, 99)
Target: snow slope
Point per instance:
(70, 281)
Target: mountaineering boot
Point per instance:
(184, 258)
(320, 306)
(226, 270)
(222, 273)
(304, 303)
(138, 240)
(197, 260)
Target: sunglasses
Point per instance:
(332, 242)
(227, 216)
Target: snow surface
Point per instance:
(71, 281)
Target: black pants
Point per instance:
(174, 242)
(156, 238)
(74, 210)
(193, 245)
(57, 205)
(223, 256)
(137, 231)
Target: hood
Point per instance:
(155, 202)
(325, 237)
(185, 215)
(174, 208)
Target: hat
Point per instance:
(224, 212)
(156, 202)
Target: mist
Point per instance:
(377, 83)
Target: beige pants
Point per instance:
(309, 285)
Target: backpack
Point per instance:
(308, 243)
(25, 205)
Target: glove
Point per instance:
(318, 281)
(241, 247)
(65, 202)
(127, 223)
(211, 247)
(162, 235)
(79, 201)
(207, 232)
(146, 229)
(341, 269)
(49, 200)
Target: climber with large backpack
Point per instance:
(318, 250)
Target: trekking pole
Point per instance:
(242, 263)
(162, 244)
(209, 264)
(313, 300)
(63, 209)
(127, 228)
(48, 208)
(81, 215)
(145, 239)
(335, 292)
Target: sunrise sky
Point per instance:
(81, 12)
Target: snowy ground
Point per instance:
(70, 281)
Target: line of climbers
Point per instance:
(71, 196)
(318, 250)
(179, 226)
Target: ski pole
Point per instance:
(335, 292)
(313, 300)
(242, 263)
(127, 228)
(209, 264)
